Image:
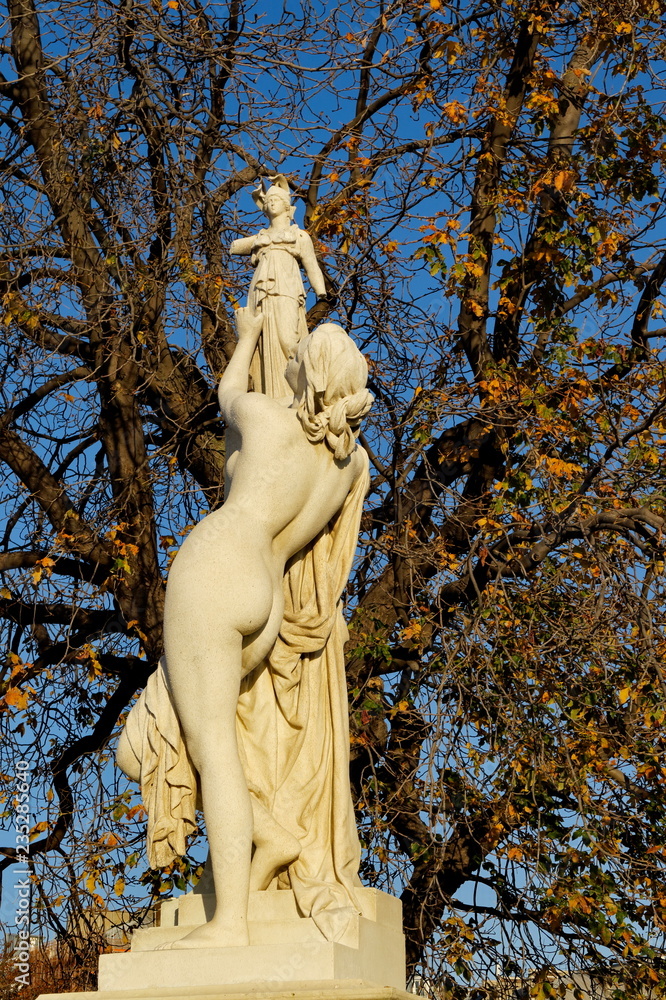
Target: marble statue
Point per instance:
(246, 715)
(276, 290)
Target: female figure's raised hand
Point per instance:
(248, 323)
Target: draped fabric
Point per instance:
(293, 730)
(277, 292)
(168, 779)
(293, 725)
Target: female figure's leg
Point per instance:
(217, 593)
(274, 847)
(284, 325)
(206, 707)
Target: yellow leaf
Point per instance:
(557, 467)
(453, 50)
(412, 631)
(6, 593)
(579, 902)
(42, 566)
(173, 4)
(435, 4)
(119, 887)
(624, 695)
(623, 28)
(562, 180)
(14, 696)
(455, 112)
(38, 828)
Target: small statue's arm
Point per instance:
(242, 246)
(310, 265)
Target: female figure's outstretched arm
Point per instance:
(234, 382)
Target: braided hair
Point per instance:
(335, 398)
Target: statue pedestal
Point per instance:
(288, 956)
(347, 989)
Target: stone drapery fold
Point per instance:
(293, 725)
(169, 787)
(277, 291)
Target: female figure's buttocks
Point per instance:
(221, 581)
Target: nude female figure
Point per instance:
(290, 471)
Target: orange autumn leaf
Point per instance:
(455, 112)
(564, 180)
(16, 698)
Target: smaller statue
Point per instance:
(277, 290)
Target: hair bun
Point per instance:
(335, 399)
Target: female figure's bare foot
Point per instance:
(214, 934)
(272, 856)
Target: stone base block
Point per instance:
(367, 962)
(284, 947)
(270, 963)
(351, 989)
